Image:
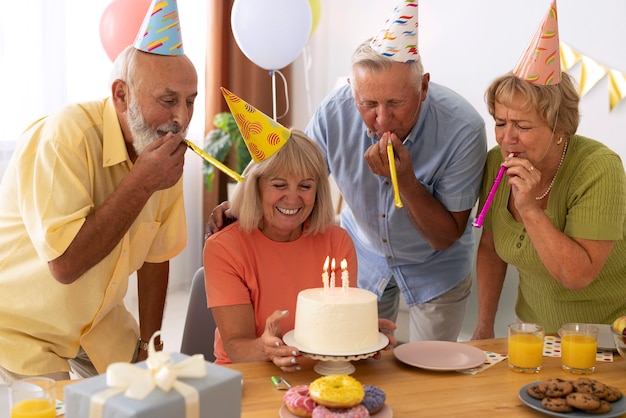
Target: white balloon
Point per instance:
(271, 33)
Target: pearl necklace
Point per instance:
(557, 172)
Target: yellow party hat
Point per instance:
(541, 62)
(262, 134)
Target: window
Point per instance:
(51, 54)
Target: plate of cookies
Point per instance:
(581, 397)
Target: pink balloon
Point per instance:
(120, 23)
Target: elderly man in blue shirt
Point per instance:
(424, 249)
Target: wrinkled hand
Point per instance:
(525, 181)
(219, 218)
(160, 165)
(378, 161)
(483, 333)
(284, 356)
(387, 327)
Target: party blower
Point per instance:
(478, 222)
(397, 201)
(213, 161)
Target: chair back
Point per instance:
(199, 331)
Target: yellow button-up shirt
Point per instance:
(65, 166)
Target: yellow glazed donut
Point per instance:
(337, 391)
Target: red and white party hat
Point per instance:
(398, 37)
(160, 31)
(262, 134)
(541, 62)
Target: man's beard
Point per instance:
(142, 134)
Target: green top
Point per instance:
(588, 200)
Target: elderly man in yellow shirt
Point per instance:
(91, 195)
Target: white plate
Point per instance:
(386, 412)
(383, 341)
(440, 355)
(617, 408)
(605, 338)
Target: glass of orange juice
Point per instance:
(33, 397)
(525, 347)
(579, 344)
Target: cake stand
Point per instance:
(337, 362)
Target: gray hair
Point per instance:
(124, 65)
(365, 57)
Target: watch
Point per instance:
(143, 345)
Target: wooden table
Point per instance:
(413, 392)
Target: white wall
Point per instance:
(51, 54)
(465, 45)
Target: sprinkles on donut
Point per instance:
(298, 401)
(358, 411)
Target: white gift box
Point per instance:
(214, 392)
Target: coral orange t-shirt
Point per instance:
(249, 268)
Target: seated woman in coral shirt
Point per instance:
(255, 267)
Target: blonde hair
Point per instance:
(557, 104)
(299, 157)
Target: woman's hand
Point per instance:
(525, 181)
(387, 327)
(284, 356)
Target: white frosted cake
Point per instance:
(341, 321)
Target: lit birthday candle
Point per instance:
(345, 281)
(332, 276)
(325, 274)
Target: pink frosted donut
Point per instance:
(298, 401)
(358, 411)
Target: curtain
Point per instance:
(226, 66)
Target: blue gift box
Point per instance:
(219, 396)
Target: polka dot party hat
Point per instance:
(398, 37)
(160, 31)
(541, 62)
(262, 134)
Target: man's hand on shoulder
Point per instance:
(219, 218)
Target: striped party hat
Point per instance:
(262, 134)
(160, 31)
(541, 62)
(398, 37)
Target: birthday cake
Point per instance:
(337, 320)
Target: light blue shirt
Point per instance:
(449, 148)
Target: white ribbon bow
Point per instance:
(137, 382)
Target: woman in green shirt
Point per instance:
(558, 216)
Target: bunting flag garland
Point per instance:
(569, 57)
(617, 87)
(591, 72)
